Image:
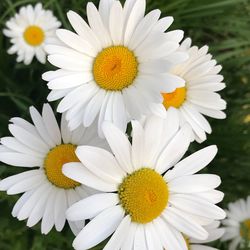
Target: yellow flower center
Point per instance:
(245, 229)
(143, 195)
(115, 68)
(54, 162)
(174, 99)
(33, 35)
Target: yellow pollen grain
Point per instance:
(175, 98)
(33, 35)
(115, 68)
(245, 229)
(54, 162)
(143, 195)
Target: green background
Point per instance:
(224, 25)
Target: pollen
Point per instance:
(245, 229)
(54, 162)
(175, 98)
(33, 35)
(115, 68)
(143, 195)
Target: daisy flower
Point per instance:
(214, 232)
(114, 67)
(198, 97)
(237, 223)
(29, 30)
(149, 198)
(47, 192)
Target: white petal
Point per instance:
(98, 229)
(91, 206)
(38, 211)
(38, 122)
(184, 224)
(166, 235)
(60, 209)
(175, 150)
(137, 144)
(20, 160)
(119, 235)
(51, 124)
(194, 183)
(197, 206)
(27, 208)
(28, 139)
(93, 108)
(136, 14)
(78, 172)
(76, 42)
(152, 140)
(48, 216)
(193, 163)
(119, 145)
(116, 20)
(8, 182)
(26, 184)
(140, 238)
(100, 162)
(97, 25)
(83, 30)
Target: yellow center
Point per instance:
(33, 35)
(115, 68)
(54, 162)
(245, 229)
(143, 195)
(174, 99)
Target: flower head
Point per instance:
(198, 97)
(237, 223)
(30, 30)
(44, 148)
(150, 197)
(113, 68)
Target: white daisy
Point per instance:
(199, 96)
(47, 192)
(114, 67)
(30, 30)
(150, 197)
(214, 232)
(237, 224)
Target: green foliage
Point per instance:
(222, 24)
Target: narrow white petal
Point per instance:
(51, 124)
(78, 172)
(193, 163)
(100, 228)
(91, 206)
(60, 209)
(100, 162)
(119, 145)
(119, 236)
(174, 150)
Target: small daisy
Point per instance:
(149, 198)
(47, 192)
(214, 232)
(237, 223)
(199, 96)
(30, 30)
(114, 67)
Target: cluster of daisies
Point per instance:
(122, 67)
